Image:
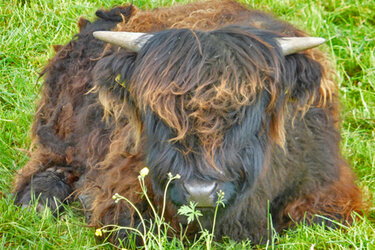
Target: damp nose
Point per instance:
(201, 192)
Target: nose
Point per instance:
(202, 192)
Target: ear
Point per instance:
(303, 77)
(82, 23)
(112, 73)
(117, 14)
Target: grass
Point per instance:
(29, 28)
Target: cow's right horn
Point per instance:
(132, 41)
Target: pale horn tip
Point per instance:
(291, 45)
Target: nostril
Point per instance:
(202, 192)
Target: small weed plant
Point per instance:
(154, 233)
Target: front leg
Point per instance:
(50, 188)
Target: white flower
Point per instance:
(171, 177)
(144, 172)
(115, 196)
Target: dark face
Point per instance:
(203, 110)
(238, 161)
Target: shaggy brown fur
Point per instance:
(92, 122)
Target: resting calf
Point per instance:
(229, 98)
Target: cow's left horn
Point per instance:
(291, 45)
(129, 40)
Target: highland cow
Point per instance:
(229, 98)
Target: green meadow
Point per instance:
(29, 28)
